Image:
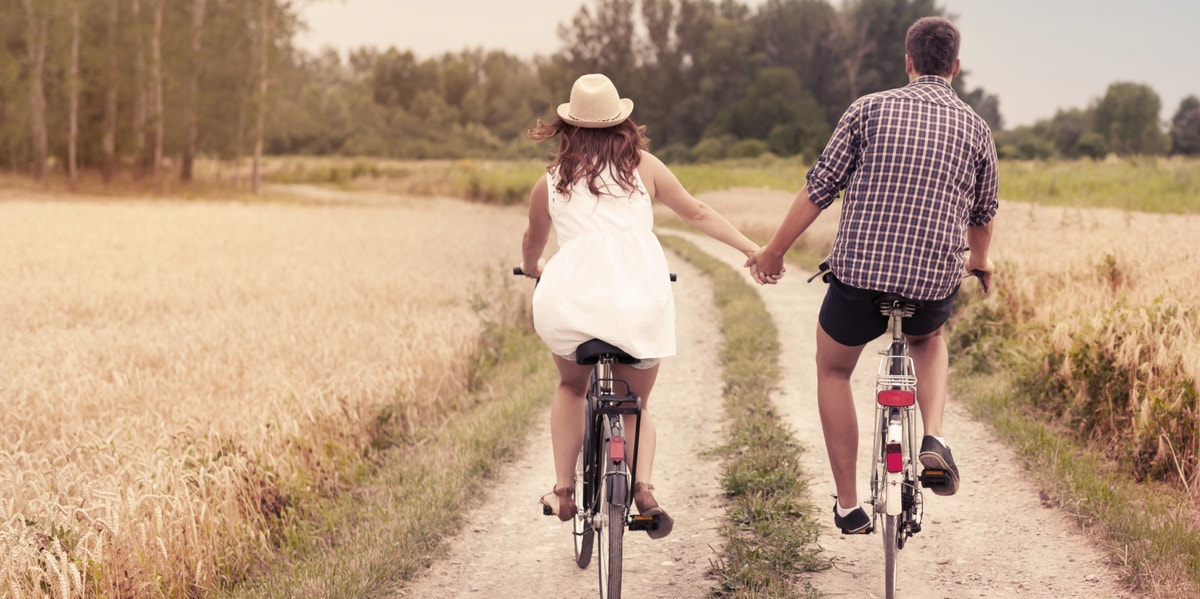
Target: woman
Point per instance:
(609, 279)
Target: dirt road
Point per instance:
(993, 539)
(508, 549)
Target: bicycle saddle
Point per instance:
(589, 352)
(886, 301)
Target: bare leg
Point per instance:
(641, 382)
(566, 419)
(839, 421)
(932, 362)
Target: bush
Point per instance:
(749, 148)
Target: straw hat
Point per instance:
(595, 103)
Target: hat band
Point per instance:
(583, 120)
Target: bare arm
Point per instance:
(978, 241)
(664, 186)
(769, 260)
(538, 231)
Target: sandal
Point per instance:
(647, 506)
(566, 503)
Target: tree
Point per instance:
(1127, 117)
(37, 22)
(112, 85)
(157, 84)
(73, 99)
(603, 42)
(263, 59)
(1185, 128)
(193, 91)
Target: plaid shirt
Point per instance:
(918, 167)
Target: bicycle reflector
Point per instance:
(895, 460)
(897, 398)
(616, 449)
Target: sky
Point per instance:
(1037, 56)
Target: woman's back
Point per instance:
(609, 278)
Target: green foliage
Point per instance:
(1127, 116)
(1185, 128)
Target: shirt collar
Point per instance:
(931, 79)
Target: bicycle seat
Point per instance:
(889, 301)
(589, 352)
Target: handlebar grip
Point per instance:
(979, 274)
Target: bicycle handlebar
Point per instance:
(824, 272)
(520, 273)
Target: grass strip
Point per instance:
(1150, 530)
(771, 531)
(393, 524)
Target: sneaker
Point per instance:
(936, 456)
(857, 523)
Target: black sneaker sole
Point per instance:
(865, 529)
(933, 461)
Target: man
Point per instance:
(918, 168)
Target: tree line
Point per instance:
(141, 88)
(135, 86)
(1125, 120)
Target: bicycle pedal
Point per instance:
(639, 522)
(934, 478)
(863, 531)
(547, 510)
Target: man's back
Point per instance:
(918, 166)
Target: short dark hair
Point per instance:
(932, 44)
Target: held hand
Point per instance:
(765, 268)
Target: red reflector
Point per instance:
(616, 449)
(896, 398)
(895, 461)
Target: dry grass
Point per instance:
(176, 375)
(1104, 303)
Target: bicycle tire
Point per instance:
(610, 588)
(587, 483)
(583, 534)
(610, 543)
(891, 554)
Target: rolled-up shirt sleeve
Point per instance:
(987, 182)
(831, 173)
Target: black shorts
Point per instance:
(850, 316)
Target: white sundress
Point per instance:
(609, 279)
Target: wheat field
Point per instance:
(174, 373)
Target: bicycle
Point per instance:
(604, 477)
(895, 493)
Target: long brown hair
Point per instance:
(584, 153)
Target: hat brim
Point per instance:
(564, 112)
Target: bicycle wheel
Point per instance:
(891, 554)
(584, 534)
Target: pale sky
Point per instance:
(1036, 55)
